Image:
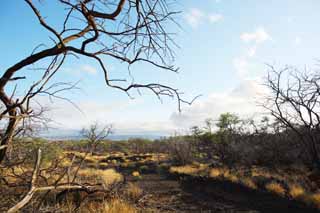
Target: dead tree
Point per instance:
(65, 178)
(293, 99)
(129, 31)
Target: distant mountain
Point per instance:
(72, 134)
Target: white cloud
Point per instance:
(194, 17)
(80, 69)
(290, 20)
(214, 18)
(87, 68)
(241, 100)
(258, 36)
(252, 51)
(241, 65)
(297, 41)
(65, 116)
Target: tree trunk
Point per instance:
(8, 135)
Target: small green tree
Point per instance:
(228, 122)
(196, 131)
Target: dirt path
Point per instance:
(163, 195)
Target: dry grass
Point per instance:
(89, 157)
(189, 169)
(106, 177)
(118, 206)
(225, 173)
(275, 188)
(215, 172)
(114, 206)
(135, 174)
(229, 176)
(296, 191)
(133, 191)
(103, 164)
(249, 183)
(255, 172)
(313, 199)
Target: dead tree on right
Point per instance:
(293, 100)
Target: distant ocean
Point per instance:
(56, 134)
(111, 137)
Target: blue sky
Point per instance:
(224, 45)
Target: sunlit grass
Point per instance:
(189, 169)
(107, 177)
(118, 206)
(296, 191)
(115, 205)
(232, 178)
(135, 174)
(215, 172)
(249, 183)
(312, 199)
(276, 188)
(133, 191)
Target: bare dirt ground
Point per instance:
(163, 193)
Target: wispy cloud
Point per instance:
(213, 18)
(252, 51)
(196, 17)
(260, 35)
(243, 64)
(244, 97)
(297, 41)
(87, 68)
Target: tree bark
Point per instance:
(8, 135)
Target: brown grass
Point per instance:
(189, 169)
(115, 205)
(133, 191)
(275, 188)
(312, 199)
(231, 177)
(106, 177)
(215, 172)
(118, 206)
(135, 174)
(296, 191)
(249, 183)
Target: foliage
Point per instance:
(27, 148)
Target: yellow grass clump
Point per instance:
(188, 169)
(260, 172)
(104, 164)
(216, 172)
(311, 199)
(275, 188)
(117, 206)
(133, 191)
(232, 178)
(107, 177)
(135, 174)
(249, 183)
(296, 191)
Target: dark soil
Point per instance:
(189, 194)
